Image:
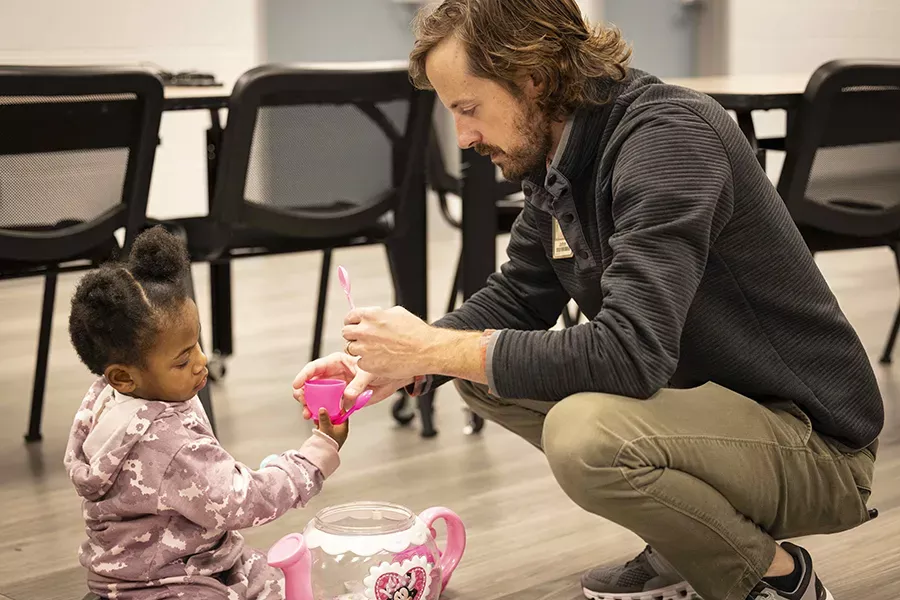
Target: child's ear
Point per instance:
(120, 378)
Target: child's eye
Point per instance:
(182, 365)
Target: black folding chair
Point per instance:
(841, 174)
(76, 154)
(315, 159)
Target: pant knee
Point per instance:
(582, 444)
(475, 395)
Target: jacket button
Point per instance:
(527, 190)
(568, 218)
(584, 254)
(551, 179)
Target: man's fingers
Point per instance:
(335, 364)
(358, 315)
(356, 387)
(351, 332)
(313, 369)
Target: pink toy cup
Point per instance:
(327, 394)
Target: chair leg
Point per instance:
(887, 356)
(43, 354)
(320, 307)
(425, 404)
(457, 286)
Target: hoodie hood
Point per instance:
(106, 428)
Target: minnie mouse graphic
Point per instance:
(394, 586)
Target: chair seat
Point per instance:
(204, 235)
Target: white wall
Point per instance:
(796, 36)
(778, 36)
(217, 36)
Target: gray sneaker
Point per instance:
(809, 588)
(648, 576)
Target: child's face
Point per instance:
(175, 368)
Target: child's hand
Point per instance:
(336, 432)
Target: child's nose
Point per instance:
(202, 362)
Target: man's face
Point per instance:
(512, 130)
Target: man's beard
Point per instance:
(529, 156)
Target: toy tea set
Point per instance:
(369, 551)
(365, 550)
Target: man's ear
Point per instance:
(121, 378)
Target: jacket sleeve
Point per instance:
(671, 195)
(206, 485)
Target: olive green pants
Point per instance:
(707, 477)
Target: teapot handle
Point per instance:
(291, 555)
(456, 539)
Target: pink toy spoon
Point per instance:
(344, 278)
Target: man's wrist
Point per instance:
(457, 353)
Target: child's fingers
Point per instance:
(325, 424)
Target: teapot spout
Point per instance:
(291, 555)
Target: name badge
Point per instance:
(560, 245)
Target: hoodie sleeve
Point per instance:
(206, 485)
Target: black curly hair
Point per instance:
(118, 309)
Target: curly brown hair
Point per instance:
(547, 39)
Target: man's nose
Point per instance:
(466, 137)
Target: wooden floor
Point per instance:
(526, 541)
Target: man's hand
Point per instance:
(398, 345)
(392, 342)
(336, 432)
(342, 366)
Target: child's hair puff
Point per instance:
(116, 309)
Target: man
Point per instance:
(717, 400)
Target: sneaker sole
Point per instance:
(679, 591)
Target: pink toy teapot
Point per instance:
(369, 551)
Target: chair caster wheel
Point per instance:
(216, 367)
(398, 410)
(475, 424)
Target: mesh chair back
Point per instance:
(76, 155)
(315, 152)
(842, 167)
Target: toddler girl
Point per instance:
(162, 500)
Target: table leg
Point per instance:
(408, 255)
(219, 271)
(479, 221)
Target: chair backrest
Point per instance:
(842, 164)
(76, 155)
(319, 151)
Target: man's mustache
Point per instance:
(485, 150)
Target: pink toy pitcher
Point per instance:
(370, 551)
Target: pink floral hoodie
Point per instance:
(163, 500)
